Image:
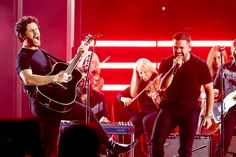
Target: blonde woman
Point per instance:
(144, 89)
(214, 59)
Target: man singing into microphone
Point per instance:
(181, 77)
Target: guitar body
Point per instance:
(228, 102)
(59, 97)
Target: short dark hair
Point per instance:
(21, 25)
(182, 36)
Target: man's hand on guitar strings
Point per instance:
(62, 77)
(83, 48)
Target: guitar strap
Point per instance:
(56, 59)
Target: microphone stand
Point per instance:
(87, 87)
(222, 104)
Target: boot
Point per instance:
(115, 148)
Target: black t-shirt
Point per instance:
(187, 81)
(37, 61)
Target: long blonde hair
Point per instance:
(135, 80)
(211, 58)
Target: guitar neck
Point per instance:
(72, 65)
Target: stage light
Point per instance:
(161, 43)
(123, 43)
(198, 43)
(167, 43)
(114, 87)
(123, 65)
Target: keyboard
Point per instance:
(119, 127)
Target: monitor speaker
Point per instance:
(201, 146)
(232, 148)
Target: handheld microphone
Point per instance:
(177, 65)
(175, 69)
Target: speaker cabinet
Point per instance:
(20, 138)
(201, 146)
(232, 148)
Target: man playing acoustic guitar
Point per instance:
(34, 68)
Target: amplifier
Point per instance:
(232, 148)
(201, 146)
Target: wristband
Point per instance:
(209, 115)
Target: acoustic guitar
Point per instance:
(60, 96)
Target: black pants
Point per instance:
(229, 126)
(166, 121)
(143, 122)
(50, 123)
